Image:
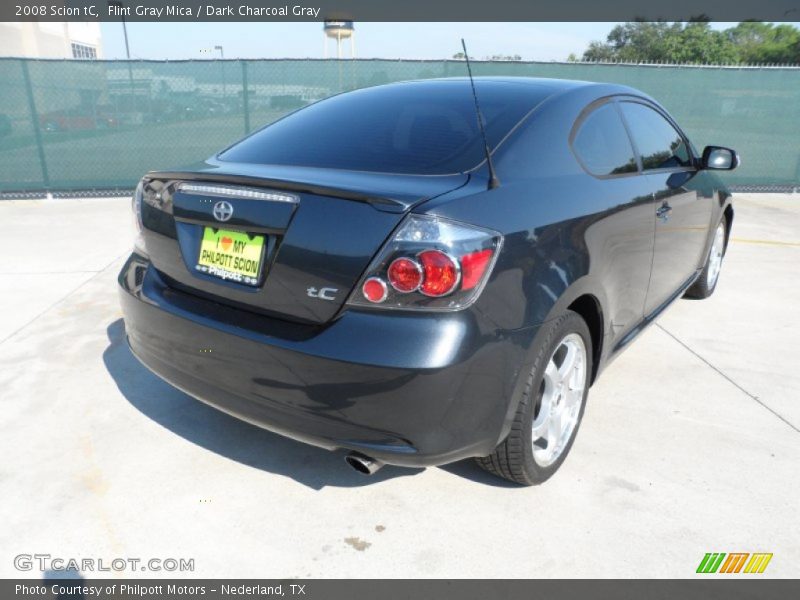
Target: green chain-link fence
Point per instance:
(81, 125)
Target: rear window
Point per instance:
(602, 143)
(426, 128)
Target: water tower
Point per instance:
(340, 30)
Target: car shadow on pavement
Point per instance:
(225, 435)
(468, 469)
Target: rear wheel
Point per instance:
(551, 408)
(707, 282)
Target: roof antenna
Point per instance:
(493, 181)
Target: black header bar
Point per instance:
(397, 10)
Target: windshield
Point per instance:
(427, 128)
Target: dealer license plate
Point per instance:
(231, 255)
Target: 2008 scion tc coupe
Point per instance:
(358, 275)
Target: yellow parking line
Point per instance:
(765, 242)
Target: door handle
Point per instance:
(663, 211)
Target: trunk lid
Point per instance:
(320, 230)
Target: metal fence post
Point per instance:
(37, 134)
(245, 99)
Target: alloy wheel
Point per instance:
(715, 258)
(560, 398)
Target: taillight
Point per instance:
(473, 266)
(441, 273)
(405, 275)
(374, 290)
(136, 206)
(429, 264)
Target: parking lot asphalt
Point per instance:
(690, 442)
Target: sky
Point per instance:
(532, 41)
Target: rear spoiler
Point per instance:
(388, 202)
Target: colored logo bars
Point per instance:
(716, 562)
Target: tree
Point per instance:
(699, 43)
(505, 57)
(696, 42)
(765, 42)
(661, 41)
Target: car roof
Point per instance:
(540, 83)
(548, 86)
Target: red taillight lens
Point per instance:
(405, 275)
(430, 263)
(375, 290)
(440, 273)
(473, 266)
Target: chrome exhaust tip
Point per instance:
(362, 463)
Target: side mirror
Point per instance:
(719, 158)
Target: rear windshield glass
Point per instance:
(427, 128)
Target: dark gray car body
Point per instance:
(415, 388)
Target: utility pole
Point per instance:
(119, 5)
(222, 57)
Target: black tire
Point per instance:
(513, 459)
(701, 288)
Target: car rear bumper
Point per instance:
(408, 389)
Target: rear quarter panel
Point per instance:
(567, 233)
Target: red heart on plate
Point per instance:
(226, 243)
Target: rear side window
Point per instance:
(602, 144)
(658, 142)
(415, 128)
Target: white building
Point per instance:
(51, 40)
